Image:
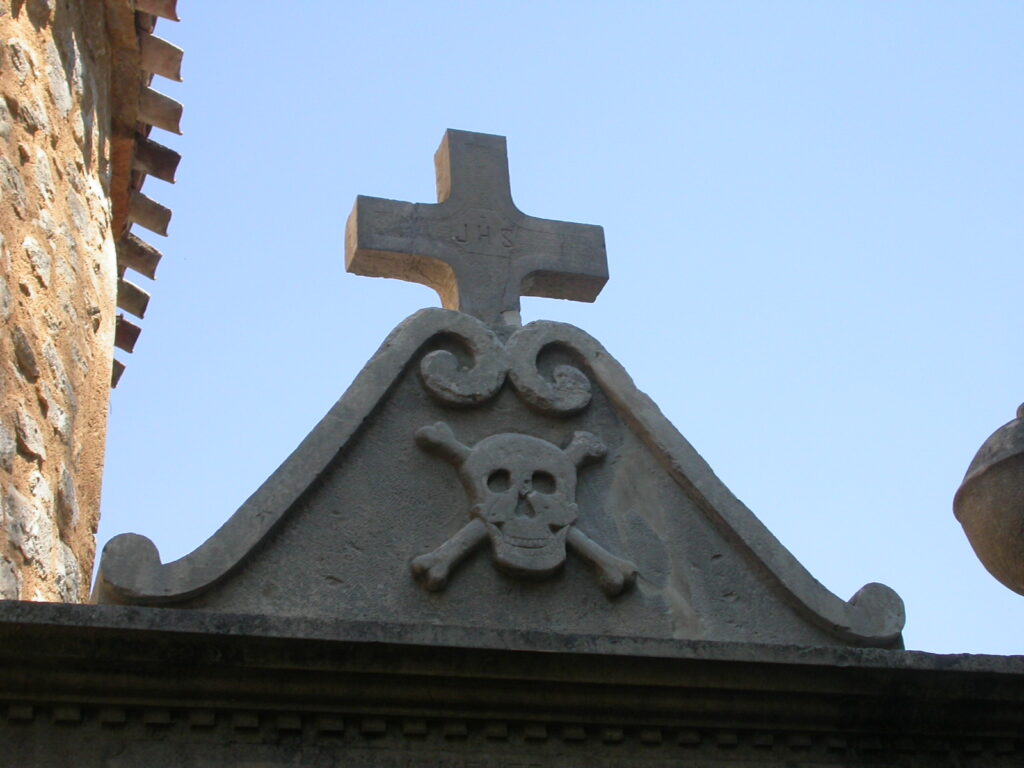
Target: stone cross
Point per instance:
(474, 247)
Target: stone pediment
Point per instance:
(502, 479)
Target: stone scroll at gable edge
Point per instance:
(131, 572)
(875, 615)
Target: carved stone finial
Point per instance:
(474, 247)
(990, 503)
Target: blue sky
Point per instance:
(813, 216)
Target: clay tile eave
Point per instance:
(137, 55)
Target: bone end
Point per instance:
(585, 448)
(615, 581)
(614, 574)
(430, 573)
(440, 439)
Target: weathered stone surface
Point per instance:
(523, 498)
(56, 66)
(5, 119)
(40, 259)
(15, 508)
(31, 529)
(21, 59)
(44, 221)
(79, 130)
(9, 587)
(65, 268)
(107, 688)
(990, 503)
(41, 11)
(44, 176)
(53, 360)
(69, 575)
(60, 91)
(24, 353)
(517, 413)
(61, 421)
(350, 520)
(67, 389)
(41, 491)
(79, 214)
(8, 447)
(30, 436)
(5, 302)
(13, 187)
(32, 114)
(474, 247)
(67, 501)
(79, 358)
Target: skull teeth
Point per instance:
(526, 543)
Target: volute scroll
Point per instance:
(454, 385)
(569, 389)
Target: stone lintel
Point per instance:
(208, 688)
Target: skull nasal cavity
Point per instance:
(499, 480)
(543, 482)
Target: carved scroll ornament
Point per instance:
(568, 391)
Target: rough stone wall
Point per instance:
(57, 292)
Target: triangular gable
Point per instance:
(397, 508)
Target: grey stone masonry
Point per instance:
(130, 687)
(482, 474)
(466, 479)
(494, 551)
(474, 247)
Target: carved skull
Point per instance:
(522, 488)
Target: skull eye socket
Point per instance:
(499, 480)
(543, 482)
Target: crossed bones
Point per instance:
(523, 495)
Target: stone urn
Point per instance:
(990, 503)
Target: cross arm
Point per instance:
(390, 238)
(567, 260)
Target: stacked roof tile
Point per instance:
(141, 108)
